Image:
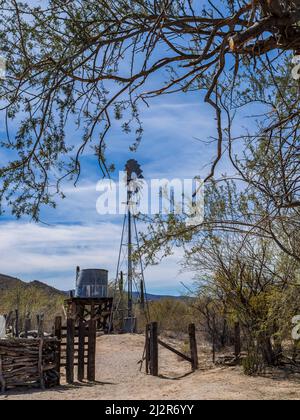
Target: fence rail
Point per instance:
(152, 353)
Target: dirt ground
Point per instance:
(119, 378)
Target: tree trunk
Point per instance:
(224, 335)
(265, 346)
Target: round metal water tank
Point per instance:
(92, 283)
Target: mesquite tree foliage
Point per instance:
(247, 280)
(91, 61)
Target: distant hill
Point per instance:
(151, 297)
(8, 282)
(30, 297)
(48, 289)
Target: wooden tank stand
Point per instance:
(85, 309)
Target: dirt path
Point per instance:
(120, 378)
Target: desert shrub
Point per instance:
(253, 363)
(185, 348)
(171, 314)
(32, 300)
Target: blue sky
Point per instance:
(74, 234)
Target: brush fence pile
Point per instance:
(28, 362)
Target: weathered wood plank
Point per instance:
(2, 380)
(193, 346)
(70, 350)
(57, 333)
(91, 370)
(168, 347)
(27, 326)
(147, 348)
(154, 348)
(16, 329)
(40, 325)
(81, 350)
(40, 364)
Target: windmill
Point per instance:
(130, 282)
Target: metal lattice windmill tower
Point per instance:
(129, 286)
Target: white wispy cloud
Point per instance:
(51, 253)
(77, 235)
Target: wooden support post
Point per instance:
(147, 348)
(27, 326)
(5, 328)
(91, 375)
(237, 339)
(142, 289)
(193, 346)
(154, 348)
(40, 364)
(40, 325)
(16, 329)
(58, 334)
(81, 339)
(2, 380)
(70, 350)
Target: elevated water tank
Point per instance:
(92, 283)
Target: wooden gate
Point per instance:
(151, 347)
(78, 348)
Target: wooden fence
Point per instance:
(28, 362)
(78, 348)
(152, 353)
(17, 326)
